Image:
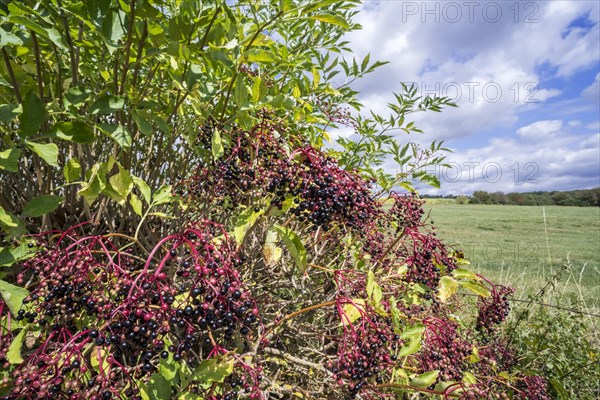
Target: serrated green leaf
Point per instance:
(424, 380)
(475, 287)
(411, 348)
(259, 55)
(9, 159)
(215, 369)
(461, 273)
(118, 133)
(8, 112)
(240, 92)
(157, 388)
(244, 222)
(217, 145)
(136, 204)
(9, 256)
(95, 184)
(168, 367)
(13, 296)
(47, 152)
(163, 195)
(256, 89)
(414, 331)
(13, 355)
(144, 189)
(7, 219)
(294, 245)
(76, 131)
(370, 283)
(122, 183)
(331, 19)
(72, 170)
(469, 378)
(33, 116)
(41, 205)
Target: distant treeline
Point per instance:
(578, 198)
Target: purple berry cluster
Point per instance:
(493, 310)
(107, 317)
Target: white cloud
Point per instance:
(540, 130)
(592, 92)
(495, 68)
(593, 125)
(543, 157)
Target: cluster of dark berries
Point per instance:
(406, 211)
(330, 195)
(426, 257)
(261, 165)
(493, 310)
(365, 354)
(258, 166)
(444, 350)
(186, 302)
(532, 388)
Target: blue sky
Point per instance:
(525, 75)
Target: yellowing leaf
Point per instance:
(447, 288)
(352, 311)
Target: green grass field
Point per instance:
(511, 244)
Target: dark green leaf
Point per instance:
(76, 131)
(41, 205)
(8, 112)
(293, 244)
(9, 159)
(9, 39)
(9, 256)
(76, 97)
(118, 133)
(107, 105)
(33, 115)
(113, 28)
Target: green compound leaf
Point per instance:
(13, 296)
(42, 205)
(214, 370)
(294, 245)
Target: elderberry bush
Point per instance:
(358, 297)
